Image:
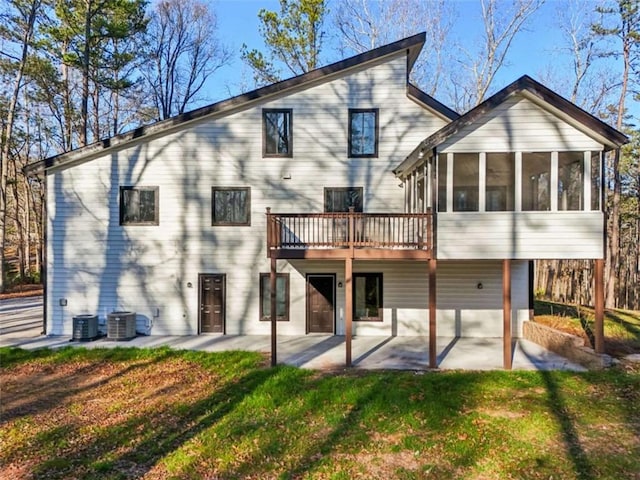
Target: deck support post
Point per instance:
(506, 313)
(348, 306)
(272, 288)
(598, 330)
(433, 359)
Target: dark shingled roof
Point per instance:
(523, 84)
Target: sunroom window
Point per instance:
(596, 181)
(466, 177)
(500, 179)
(536, 181)
(442, 182)
(570, 180)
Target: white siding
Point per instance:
(468, 311)
(518, 124)
(462, 308)
(100, 266)
(520, 235)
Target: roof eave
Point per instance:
(607, 135)
(440, 109)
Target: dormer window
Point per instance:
(276, 133)
(363, 132)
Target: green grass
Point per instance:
(132, 413)
(621, 327)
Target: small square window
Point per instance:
(367, 297)
(363, 132)
(139, 206)
(282, 297)
(230, 206)
(276, 133)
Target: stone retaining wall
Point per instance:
(565, 344)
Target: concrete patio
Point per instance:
(328, 352)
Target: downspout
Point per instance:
(44, 246)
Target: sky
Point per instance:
(535, 52)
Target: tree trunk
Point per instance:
(27, 225)
(7, 132)
(86, 58)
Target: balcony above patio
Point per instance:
(350, 234)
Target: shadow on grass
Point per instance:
(47, 388)
(543, 307)
(557, 406)
(628, 326)
(358, 415)
(130, 448)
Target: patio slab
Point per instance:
(328, 352)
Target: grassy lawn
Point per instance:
(156, 414)
(621, 327)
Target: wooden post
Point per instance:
(599, 306)
(506, 312)
(348, 306)
(272, 286)
(352, 232)
(433, 359)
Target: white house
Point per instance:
(390, 214)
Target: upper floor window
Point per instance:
(139, 206)
(363, 132)
(339, 199)
(230, 206)
(276, 132)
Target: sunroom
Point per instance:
(518, 178)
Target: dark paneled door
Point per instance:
(212, 303)
(320, 303)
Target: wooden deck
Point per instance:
(350, 235)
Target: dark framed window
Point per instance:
(230, 206)
(277, 140)
(339, 199)
(363, 132)
(367, 297)
(139, 206)
(282, 297)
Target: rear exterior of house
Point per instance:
(315, 185)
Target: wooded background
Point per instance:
(76, 71)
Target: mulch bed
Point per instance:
(20, 291)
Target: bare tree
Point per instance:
(477, 70)
(20, 31)
(183, 52)
(366, 24)
(620, 20)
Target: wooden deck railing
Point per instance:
(408, 231)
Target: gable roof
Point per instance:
(537, 93)
(411, 45)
